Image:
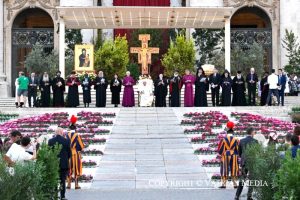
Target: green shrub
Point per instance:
(287, 178)
(49, 162)
(134, 70)
(23, 184)
(112, 57)
(32, 180)
(180, 56)
(263, 164)
(295, 109)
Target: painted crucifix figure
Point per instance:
(144, 53)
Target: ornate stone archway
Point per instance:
(12, 8)
(271, 8)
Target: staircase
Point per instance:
(10, 102)
(148, 145)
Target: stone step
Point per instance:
(154, 149)
(10, 102)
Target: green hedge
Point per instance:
(32, 180)
(279, 177)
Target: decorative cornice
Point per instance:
(13, 5)
(269, 5)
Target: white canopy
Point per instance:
(144, 17)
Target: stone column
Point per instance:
(227, 44)
(188, 31)
(62, 30)
(1, 40)
(107, 34)
(4, 87)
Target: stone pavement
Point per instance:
(147, 149)
(148, 157)
(153, 194)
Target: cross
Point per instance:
(144, 53)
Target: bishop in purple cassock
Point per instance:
(188, 80)
(128, 96)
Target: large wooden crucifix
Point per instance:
(144, 53)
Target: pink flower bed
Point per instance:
(211, 163)
(205, 151)
(208, 125)
(36, 126)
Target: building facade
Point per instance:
(28, 22)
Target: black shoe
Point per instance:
(222, 187)
(249, 198)
(236, 198)
(17, 105)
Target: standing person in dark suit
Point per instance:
(73, 95)
(201, 87)
(175, 88)
(101, 84)
(32, 89)
(58, 88)
(215, 81)
(238, 88)
(264, 87)
(161, 91)
(45, 87)
(244, 143)
(115, 88)
(226, 84)
(251, 80)
(86, 84)
(64, 156)
(282, 83)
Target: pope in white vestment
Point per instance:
(145, 88)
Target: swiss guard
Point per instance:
(228, 150)
(76, 147)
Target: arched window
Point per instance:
(32, 26)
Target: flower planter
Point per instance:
(89, 164)
(92, 153)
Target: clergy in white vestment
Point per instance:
(145, 88)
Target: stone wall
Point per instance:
(289, 19)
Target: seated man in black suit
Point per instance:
(64, 155)
(242, 147)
